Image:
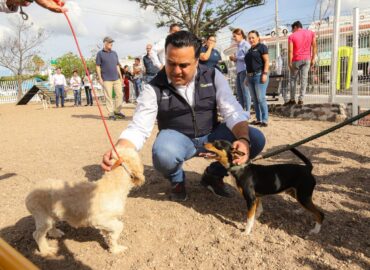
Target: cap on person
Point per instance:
(108, 39)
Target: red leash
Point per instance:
(92, 87)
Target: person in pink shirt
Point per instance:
(302, 50)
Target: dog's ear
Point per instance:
(132, 159)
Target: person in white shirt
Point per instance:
(159, 46)
(185, 99)
(75, 83)
(59, 82)
(10, 6)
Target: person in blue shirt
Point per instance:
(243, 46)
(209, 56)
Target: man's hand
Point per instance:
(106, 164)
(242, 146)
(52, 5)
(290, 65)
(312, 63)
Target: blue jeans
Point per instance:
(77, 96)
(148, 78)
(172, 148)
(242, 91)
(59, 93)
(137, 86)
(258, 93)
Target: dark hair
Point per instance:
(297, 24)
(125, 66)
(183, 39)
(173, 25)
(209, 36)
(239, 31)
(254, 32)
(75, 71)
(137, 58)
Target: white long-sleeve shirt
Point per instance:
(59, 79)
(160, 51)
(4, 7)
(147, 108)
(75, 82)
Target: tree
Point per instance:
(70, 62)
(202, 17)
(18, 48)
(36, 64)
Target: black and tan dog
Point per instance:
(255, 181)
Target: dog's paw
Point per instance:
(117, 249)
(48, 252)
(55, 233)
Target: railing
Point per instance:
(9, 90)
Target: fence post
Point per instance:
(334, 53)
(356, 23)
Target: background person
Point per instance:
(209, 56)
(59, 82)
(159, 46)
(257, 61)
(110, 77)
(127, 77)
(88, 87)
(75, 83)
(151, 64)
(138, 75)
(302, 50)
(243, 94)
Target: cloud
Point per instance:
(58, 25)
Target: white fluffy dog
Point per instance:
(98, 204)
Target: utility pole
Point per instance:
(334, 53)
(277, 30)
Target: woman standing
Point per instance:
(257, 61)
(87, 86)
(76, 87)
(243, 95)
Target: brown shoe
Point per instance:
(300, 102)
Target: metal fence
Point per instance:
(9, 89)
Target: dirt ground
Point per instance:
(206, 231)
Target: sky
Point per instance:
(132, 27)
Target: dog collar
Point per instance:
(127, 170)
(121, 163)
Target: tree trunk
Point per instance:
(19, 93)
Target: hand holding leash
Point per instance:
(241, 151)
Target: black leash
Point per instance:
(322, 133)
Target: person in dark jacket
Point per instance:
(185, 99)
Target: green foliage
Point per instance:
(70, 62)
(202, 17)
(24, 77)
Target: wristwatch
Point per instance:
(264, 73)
